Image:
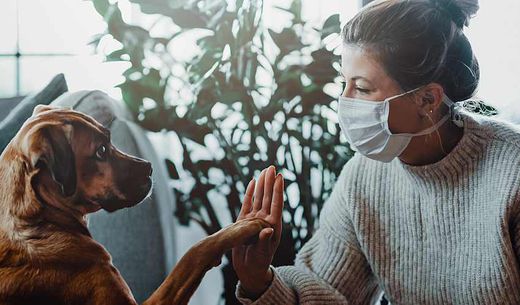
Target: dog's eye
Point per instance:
(102, 152)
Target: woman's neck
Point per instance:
(433, 147)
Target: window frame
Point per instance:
(18, 55)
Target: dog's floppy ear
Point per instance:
(42, 108)
(54, 151)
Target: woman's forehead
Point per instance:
(359, 62)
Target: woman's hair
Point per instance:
(419, 42)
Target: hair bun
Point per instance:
(460, 11)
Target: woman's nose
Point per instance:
(347, 91)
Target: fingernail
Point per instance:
(271, 234)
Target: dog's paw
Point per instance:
(208, 252)
(242, 232)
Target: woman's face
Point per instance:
(366, 79)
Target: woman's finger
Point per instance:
(277, 197)
(268, 189)
(248, 199)
(277, 205)
(259, 192)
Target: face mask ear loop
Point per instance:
(438, 134)
(388, 99)
(455, 116)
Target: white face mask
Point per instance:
(365, 125)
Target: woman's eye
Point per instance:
(364, 91)
(102, 152)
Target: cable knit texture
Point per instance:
(442, 233)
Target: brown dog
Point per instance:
(59, 167)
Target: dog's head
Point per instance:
(74, 165)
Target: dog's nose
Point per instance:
(144, 167)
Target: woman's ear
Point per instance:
(431, 97)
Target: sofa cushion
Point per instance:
(95, 103)
(8, 104)
(23, 110)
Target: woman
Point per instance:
(428, 209)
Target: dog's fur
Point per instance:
(53, 173)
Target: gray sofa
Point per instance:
(140, 239)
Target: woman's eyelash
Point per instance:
(344, 84)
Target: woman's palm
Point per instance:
(265, 200)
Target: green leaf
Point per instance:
(101, 6)
(225, 37)
(156, 119)
(172, 170)
(95, 39)
(288, 10)
(187, 18)
(218, 17)
(296, 9)
(150, 85)
(287, 40)
(320, 70)
(332, 25)
(202, 67)
(190, 130)
(159, 6)
(116, 55)
(205, 165)
(182, 210)
(229, 97)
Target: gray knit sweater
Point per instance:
(442, 233)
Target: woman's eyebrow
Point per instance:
(362, 78)
(340, 73)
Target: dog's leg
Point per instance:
(189, 271)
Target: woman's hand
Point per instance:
(251, 262)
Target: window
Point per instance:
(494, 34)
(44, 38)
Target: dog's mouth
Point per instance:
(134, 196)
(90, 206)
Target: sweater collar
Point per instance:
(459, 159)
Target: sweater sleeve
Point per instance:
(329, 269)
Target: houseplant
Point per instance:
(287, 120)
